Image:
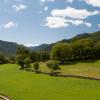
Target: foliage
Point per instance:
(61, 52)
(23, 58)
(44, 56)
(53, 66)
(34, 56)
(36, 66)
(3, 59)
(97, 50)
(82, 49)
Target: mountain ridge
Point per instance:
(10, 48)
(48, 47)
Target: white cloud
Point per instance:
(98, 25)
(74, 13)
(55, 22)
(59, 22)
(31, 45)
(28, 45)
(78, 22)
(95, 3)
(46, 8)
(69, 16)
(9, 25)
(19, 7)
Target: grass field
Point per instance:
(22, 85)
(81, 68)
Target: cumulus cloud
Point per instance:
(55, 22)
(70, 16)
(95, 3)
(19, 7)
(59, 22)
(9, 25)
(74, 13)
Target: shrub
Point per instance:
(36, 66)
(53, 66)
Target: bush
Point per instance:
(36, 66)
(24, 64)
(3, 59)
(53, 66)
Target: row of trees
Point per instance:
(83, 49)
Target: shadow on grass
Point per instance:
(58, 74)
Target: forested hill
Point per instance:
(48, 47)
(8, 48)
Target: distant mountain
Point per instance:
(8, 48)
(48, 47)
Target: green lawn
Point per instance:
(22, 85)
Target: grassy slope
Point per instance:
(22, 85)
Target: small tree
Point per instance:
(53, 66)
(22, 57)
(36, 66)
(25, 64)
(21, 64)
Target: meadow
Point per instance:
(24, 85)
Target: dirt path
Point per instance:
(4, 97)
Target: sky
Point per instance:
(33, 22)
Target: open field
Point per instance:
(82, 69)
(23, 85)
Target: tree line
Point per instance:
(81, 49)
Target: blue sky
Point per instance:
(33, 22)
